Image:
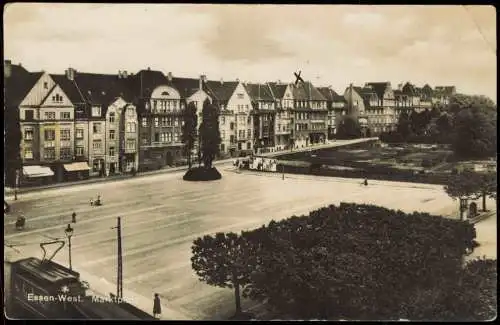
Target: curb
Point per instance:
(482, 217)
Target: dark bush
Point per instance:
(202, 174)
(426, 163)
(364, 261)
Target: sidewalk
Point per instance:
(10, 191)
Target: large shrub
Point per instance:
(355, 261)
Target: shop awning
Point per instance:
(76, 167)
(37, 171)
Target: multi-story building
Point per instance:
(25, 93)
(310, 115)
(336, 105)
(442, 94)
(386, 101)
(283, 122)
(236, 122)
(263, 115)
(159, 109)
(47, 127)
(221, 92)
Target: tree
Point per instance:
(404, 126)
(209, 133)
(349, 128)
(464, 185)
(189, 128)
(487, 186)
(12, 146)
(475, 134)
(221, 261)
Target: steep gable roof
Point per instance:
(409, 89)
(221, 91)
(259, 92)
(278, 89)
(18, 85)
(101, 89)
(306, 91)
(143, 83)
(186, 86)
(69, 87)
(379, 87)
(331, 95)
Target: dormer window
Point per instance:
(96, 111)
(57, 98)
(165, 93)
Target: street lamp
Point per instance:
(69, 232)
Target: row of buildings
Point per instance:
(103, 124)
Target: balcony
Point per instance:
(156, 144)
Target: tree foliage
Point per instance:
(349, 128)
(221, 261)
(210, 138)
(475, 134)
(349, 261)
(404, 124)
(189, 130)
(464, 185)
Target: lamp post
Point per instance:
(69, 232)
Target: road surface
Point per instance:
(162, 215)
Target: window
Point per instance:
(111, 151)
(111, 134)
(163, 137)
(28, 134)
(131, 126)
(240, 96)
(65, 115)
(65, 135)
(97, 127)
(176, 122)
(49, 153)
(28, 153)
(249, 133)
(144, 122)
(222, 120)
(130, 144)
(223, 134)
(79, 151)
(112, 117)
(29, 115)
(45, 85)
(231, 126)
(50, 135)
(57, 98)
(176, 137)
(97, 145)
(79, 133)
(157, 137)
(50, 115)
(156, 121)
(65, 154)
(96, 111)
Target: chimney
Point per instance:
(237, 79)
(149, 69)
(7, 68)
(119, 74)
(202, 80)
(221, 81)
(169, 76)
(124, 74)
(279, 82)
(70, 74)
(400, 86)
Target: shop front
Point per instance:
(36, 175)
(76, 171)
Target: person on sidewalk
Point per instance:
(157, 307)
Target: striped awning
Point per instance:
(37, 171)
(76, 167)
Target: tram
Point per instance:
(43, 289)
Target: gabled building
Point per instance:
(358, 101)
(386, 101)
(310, 115)
(263, 116)
(235, 119)
(102, 105)
(336, 106)
(442, 94)
(283, 126)
(27, 96)
(159, 110)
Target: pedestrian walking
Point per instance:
(157, 307)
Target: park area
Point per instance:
(403, 162)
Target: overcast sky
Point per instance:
(332, 45)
